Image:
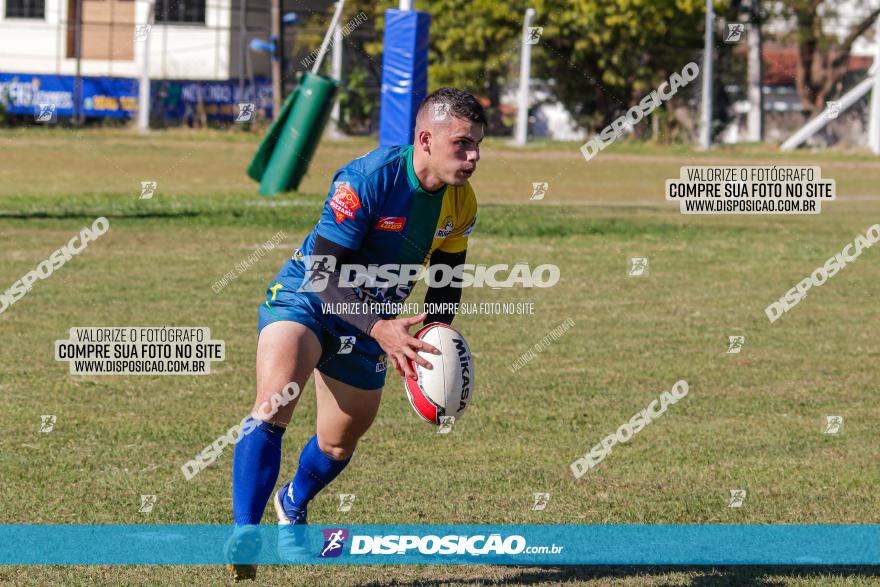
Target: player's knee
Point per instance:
(276, 405)
(335, 450)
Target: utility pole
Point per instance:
(874, 120)
(277, 58)
(706, 126)
(755, 75)
(336, 61)
(525, 66)
(242, 46)
(144, 85)
(77, 82)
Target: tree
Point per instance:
(473, 46)
(362, 22)
(605, 55)
(599, 57)
(822, 57)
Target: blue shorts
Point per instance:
(347, 354)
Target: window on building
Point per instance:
(25, 8)
(170, 11)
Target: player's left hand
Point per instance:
(394, 338)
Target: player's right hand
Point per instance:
(394, 338)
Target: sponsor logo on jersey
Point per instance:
(344, 202)
(446, 228)
(391, 223)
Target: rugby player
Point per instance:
(408, 204)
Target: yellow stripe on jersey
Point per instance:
(458, 214)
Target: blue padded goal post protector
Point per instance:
(404, 74)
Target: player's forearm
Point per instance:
(445, 297)
(355, 311)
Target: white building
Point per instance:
(190, 39)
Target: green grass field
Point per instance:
(751, 421)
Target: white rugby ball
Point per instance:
(447, 389)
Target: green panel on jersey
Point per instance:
(421, 225)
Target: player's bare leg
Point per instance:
(345, 413)
(286, 352)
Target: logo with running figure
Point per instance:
(737, 497)
(334, 541)
(735, 32)
(540, 501)
(147, 503)
(735, 344)
(245, 112)
(533, 35)
(833, 109)
(47, 423)
(346, 500)
(346, 344)
(440, 112)
(539, 189)
(638, 266)
(833, 424)
(45, 113)
(446, 424)
(318, 270)
(148, 188)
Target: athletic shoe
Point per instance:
(293, 541)
(242, 547)
(243, 572)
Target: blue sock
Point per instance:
(255, 467)
(316, 470)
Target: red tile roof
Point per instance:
(780, 65)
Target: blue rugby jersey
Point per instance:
(377, 208)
